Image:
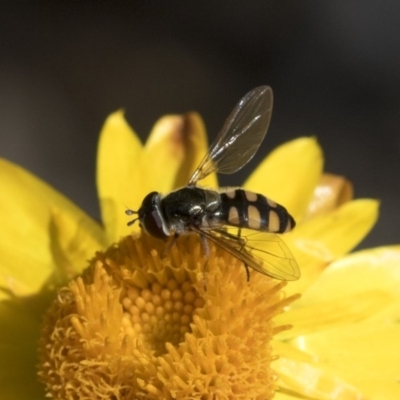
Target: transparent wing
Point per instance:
(240, 137)
(265, 252)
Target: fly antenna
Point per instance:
(131, 212)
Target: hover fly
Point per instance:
(212, 214)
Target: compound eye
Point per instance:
(154, 224)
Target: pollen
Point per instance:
(154, 322)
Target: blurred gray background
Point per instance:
(334, 67)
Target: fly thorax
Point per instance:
(183, 208)
(212, 214)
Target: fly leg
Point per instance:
(242, 241)
(169, 245)
(245, 265)
(206, 248)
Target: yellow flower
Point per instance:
(136, 324)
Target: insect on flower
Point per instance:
(243, 223)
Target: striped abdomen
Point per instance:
(251, 210)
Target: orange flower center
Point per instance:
(137, 325)
(162, 313)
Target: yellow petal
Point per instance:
(72, 245)
(27, 204)
(343, 309)
(19, 336)
(123, 176)
(281, 395)
(331, 192)
(289, 175)
(315, 382)
(319, 241)
(367, 355)
(336, 233)
(372, 270)
(359, 339)
(165, 147)
(176, 147)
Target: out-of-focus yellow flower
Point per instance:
(137, 325)
(345, 338)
